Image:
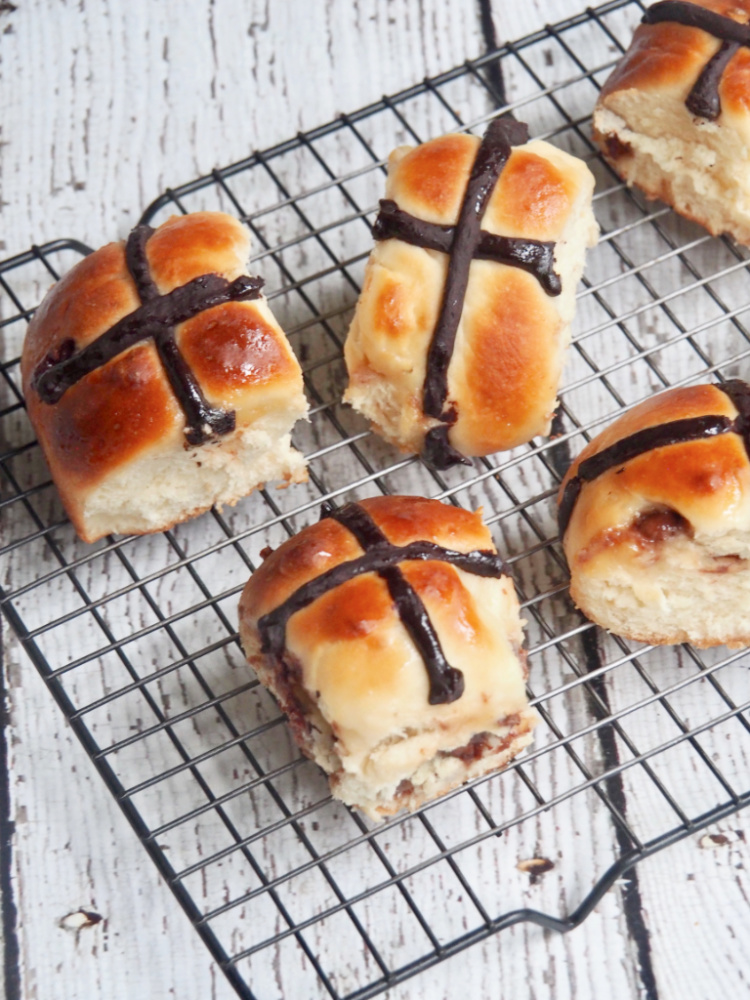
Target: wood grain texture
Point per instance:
(104, 106)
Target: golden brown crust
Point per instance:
(432, 177)
(76, 432)
(107, 419)
(508, 352)
(734, 90)
(406, 519)
(87, 301)
(533, 198)
(674, 404)
(127, 408)
(662, 55)
(231, 346)
(509, 357)
(314, 550)
(187, 246)
(351, 611)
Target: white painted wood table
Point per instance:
(104, 106)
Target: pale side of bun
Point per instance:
(512, 335)
(352, 681)
(116, 440)
(646, 132)
(659, 546)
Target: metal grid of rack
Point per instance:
(136, 637)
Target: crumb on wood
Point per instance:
(709, 840)
(535, 868)
(78, 920)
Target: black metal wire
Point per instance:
(579, 699)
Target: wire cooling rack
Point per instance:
(136, 637)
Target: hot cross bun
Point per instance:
(457, 343)
(389, 632)
(655, 519)
(159, 382)
(674, 116)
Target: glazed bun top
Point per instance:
(667, 57)
(684, 450)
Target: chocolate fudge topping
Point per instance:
(703, 99)
(138, 265)
(739, 392)
(534, 256)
